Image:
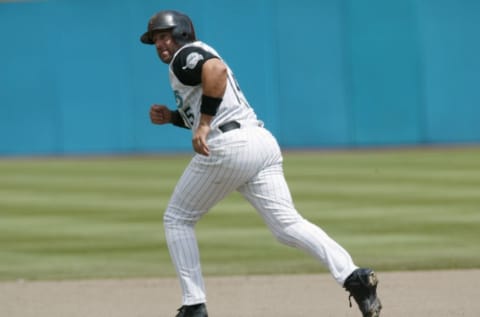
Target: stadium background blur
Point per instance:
(75, 79)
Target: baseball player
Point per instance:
(234, 152)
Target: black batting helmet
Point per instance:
(180, 24)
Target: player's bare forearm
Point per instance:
(214, 81)
(199, 141)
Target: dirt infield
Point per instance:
(436, 294)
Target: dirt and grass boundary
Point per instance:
(422, 293)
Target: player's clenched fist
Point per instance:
(160, 114)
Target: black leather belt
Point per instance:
(232, 125)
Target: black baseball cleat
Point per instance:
(199, 310)
(362, 285)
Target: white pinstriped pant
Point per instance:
(247, 160)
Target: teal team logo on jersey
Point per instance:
(178, 99)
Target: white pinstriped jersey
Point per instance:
(247, 160)
(185, 79)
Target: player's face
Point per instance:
(165, 45)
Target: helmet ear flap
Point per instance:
(183, 32)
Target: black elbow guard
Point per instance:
(210, 105)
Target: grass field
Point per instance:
(77, 218)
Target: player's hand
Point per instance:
(199, 140)
(160, 114)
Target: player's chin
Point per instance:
(165, 58)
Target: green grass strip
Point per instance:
(75, 218)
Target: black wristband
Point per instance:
(210, 105)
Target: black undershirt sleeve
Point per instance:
(188, 63)
(177, 120)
